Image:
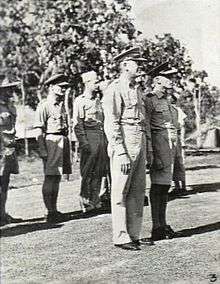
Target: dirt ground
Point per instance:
(80, 250)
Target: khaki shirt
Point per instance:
(51, 117)
(87, 114)
(7, 128)
(160, 114)
(123, 105)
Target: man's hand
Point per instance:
(150, 159)
(43, 155)
(125, 164)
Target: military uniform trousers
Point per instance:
(179, 173)
(128, 191)
(93, 165)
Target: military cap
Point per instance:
(57, 79)
(130, 54)
(6, 84)
(162, 70)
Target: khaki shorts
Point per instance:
(58, 159)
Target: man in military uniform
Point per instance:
(161, 148)
(125, 130)
(51, 122)
(88, 121)
(179, 174)
(8, 159)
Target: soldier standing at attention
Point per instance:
(51, 122)
(125, 130)
(88, 121)
(8, 158)
(163, 129)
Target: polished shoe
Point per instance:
(54, 217)
(158, 234)
(146, 242)
(7, 219)
(170, 233)
(129, 246)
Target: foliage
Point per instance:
(45, 36)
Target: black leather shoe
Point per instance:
(53, 217)
(146, 242)
(7, 219)
(170, 233)
(129, 246)
(158, 234)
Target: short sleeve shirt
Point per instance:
(51, 117)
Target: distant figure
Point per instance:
(179, 174)
(51, 122)
(8, 158)
(88, 125)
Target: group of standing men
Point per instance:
(119, 134)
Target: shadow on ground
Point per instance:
(199, 230)
(194, 189)
(27, 228)
(38, 224)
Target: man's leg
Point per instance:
(47, 192)
(4, 182)
(163, 193)
(55, 191)
(155, 206)
(118, 204)
(95, 191)
(168, 231)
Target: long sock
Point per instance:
(163, 204)
(47, 191)
(177, 185)
(56, 184)
(155, 204)
(4, 182)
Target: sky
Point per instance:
(196, 23)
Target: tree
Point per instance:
(74, 36)
(18, 52)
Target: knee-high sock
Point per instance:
(4, 182)
(163, 204)
(47, 192)
(56, 185)
(155, 205)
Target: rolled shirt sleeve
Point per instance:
(112, 107)
(41, 117)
